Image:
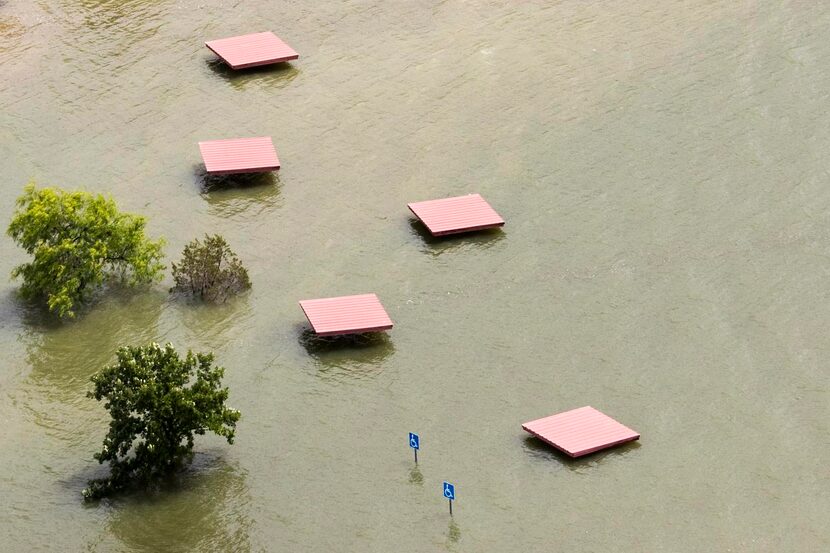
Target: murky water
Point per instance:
(662, 167)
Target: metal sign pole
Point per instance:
(449, 493)
(415, 444)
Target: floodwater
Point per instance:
(662, 167)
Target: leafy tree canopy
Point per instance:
(210, 270)
(157, 401)
(78, 241)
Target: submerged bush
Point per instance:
(210, 270)
(157, 402)
(78, 240)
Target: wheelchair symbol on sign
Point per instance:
(415, 444)
(449, 491)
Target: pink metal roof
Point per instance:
(346, 315)
(239, 155)
(251, 50)
(580, 431)
(459, 214)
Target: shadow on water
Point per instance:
(230, 195)
(62, 356)
(453, 532)
(201, 509)
(33, 314)
(437, 245)
(48, 340)
(210, 322)
(354, 356)
(275, 75)
(415, 476)
(208, 183)
(540, 450)
(376, 343)
(63, 351)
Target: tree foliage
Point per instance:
(210, 270)
(78, 240)
(157, 401)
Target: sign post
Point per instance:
(415, 444)
(449, 493)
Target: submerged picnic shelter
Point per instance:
(455, 215)
(239, 155)
(346, 315)
(580, 431)
(253, 50)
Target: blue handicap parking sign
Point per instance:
(414, 441)
(449, 490)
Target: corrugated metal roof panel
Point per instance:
(239, 155)
(346, 315)
(458, 214)
(580, 431)
(252, 50)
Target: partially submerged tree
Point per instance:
(157, 401)
(210, 270)
(78, 240)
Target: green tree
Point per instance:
(79, 241)
(157, 401)
(210, 270)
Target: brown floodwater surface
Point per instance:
(662, 168)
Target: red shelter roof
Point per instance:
(454, 215)
(346, 315)
(252, 50)
(580, 431)
(239, 155)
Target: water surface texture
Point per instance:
(662, 168)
